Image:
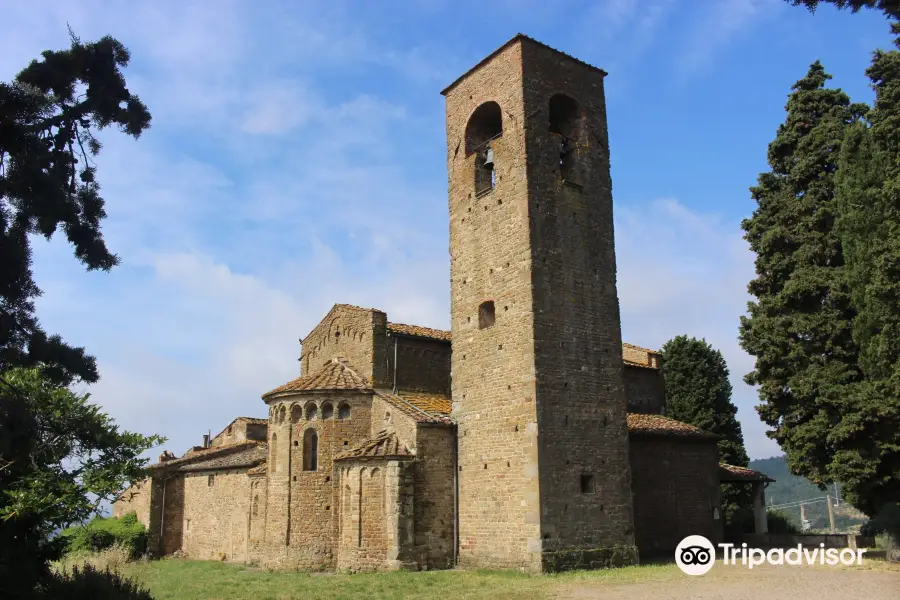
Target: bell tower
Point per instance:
(537, 377)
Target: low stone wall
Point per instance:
(592, 558)
(831, 540)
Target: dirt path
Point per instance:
(765, 583)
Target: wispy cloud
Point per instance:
(282, 175)
(719, 25)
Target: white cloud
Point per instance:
(259, 199)
(684, 272)
(720, 24)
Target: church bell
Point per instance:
(489, 159)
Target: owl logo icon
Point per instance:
(695, 555)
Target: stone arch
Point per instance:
(312, 411)
(296, 413)
(376, 472)
(485, 124)
(327, 410)
(281, 413)
(567, 126)
(310, 449)
(343, 411)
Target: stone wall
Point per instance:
(584, 469)
(357, 334)
(538, 388)
(493, 383)
(676, 491)
(434, 496)
(422, 364)
(238, 431)
(376, 520)
(135, 499)
(301, 522)
(645, 391)
(215, 516)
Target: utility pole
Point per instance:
(830, 513)
(802, 517)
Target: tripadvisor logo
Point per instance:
(696, 555)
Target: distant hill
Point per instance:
(791, 488)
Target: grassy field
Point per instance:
(175, 579)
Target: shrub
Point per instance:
(88, 583)
(112, 559)
(778, 522)
(104, 532)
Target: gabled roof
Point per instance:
(736, 474)
(336, 374)
(249, 456)
(416, 331)
(384, 445)
(217, 455)
(658, 425)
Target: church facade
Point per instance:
(528, 436)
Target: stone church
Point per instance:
(529, 436)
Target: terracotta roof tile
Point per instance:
(425, 332)
(384, 445)
(641, 424)
(735, 473)
(336, 374)
(641, 348)
(431, 403)
(416, 408)
(249, 456)
(207, 454)
(258, 470)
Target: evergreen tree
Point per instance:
(799, 328)
(866, 444)
(56, 450)
(698, 392)
(48, 116)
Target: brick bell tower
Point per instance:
(537, 376)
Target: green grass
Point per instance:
(175, 579)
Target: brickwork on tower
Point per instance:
(538, 389)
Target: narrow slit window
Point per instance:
(310, 450)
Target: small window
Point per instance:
(255, 505)
(587, 483)
(486, 315)
(344, 411)
(387, 418)
(327, 411)
(211, 480)
(310, 450)
(311, 411)
(187, 525)
(296, 413)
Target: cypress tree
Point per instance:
(698, 392)
(866, 458)
(799, 327)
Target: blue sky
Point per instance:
(297, 159)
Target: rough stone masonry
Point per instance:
(529, 436)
